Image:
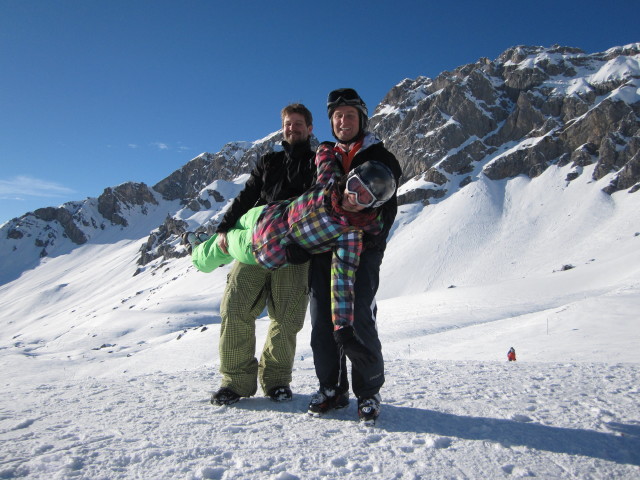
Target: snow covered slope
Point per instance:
(108, 375)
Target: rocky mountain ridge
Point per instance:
(530, 108)
(51, 231)
(518, 114)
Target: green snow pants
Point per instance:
(285, 293)
(207, 256)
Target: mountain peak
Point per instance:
(530, 108)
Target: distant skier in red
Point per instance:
(511, 354)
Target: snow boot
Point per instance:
(225, 396)
(369, 409)
(326, 399)
(280, 394)
(191, 239)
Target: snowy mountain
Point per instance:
(108, 345)
(199, 190)
(531, 108)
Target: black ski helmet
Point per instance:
(378, 178)
(348, 97)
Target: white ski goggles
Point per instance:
(364, 197)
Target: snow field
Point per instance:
(440, 419)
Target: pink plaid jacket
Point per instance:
(311, 222)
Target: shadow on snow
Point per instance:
(623, 448)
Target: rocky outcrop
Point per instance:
(530, 108)
(114, 201)
(51, 229)
(234, 159)
(157, 246)
(65, 219)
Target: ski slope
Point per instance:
(107, 375)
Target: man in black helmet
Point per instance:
(348, 116)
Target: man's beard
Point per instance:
(294, 139)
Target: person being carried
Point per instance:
(332, 216)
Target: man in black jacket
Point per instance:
(276, 176)
(348, 117)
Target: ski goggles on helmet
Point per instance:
(344, 96)
(364, 197)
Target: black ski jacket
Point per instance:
(276, 176)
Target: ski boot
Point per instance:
(369, 409)
(326, 399)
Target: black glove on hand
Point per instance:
(296, 254)
(353, 348)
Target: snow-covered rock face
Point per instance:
(530, 108)
(196, 191)
(107, 374)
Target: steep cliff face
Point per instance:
(528, 109)
(186, 183)
(113, 201)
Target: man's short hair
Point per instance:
(300, 109)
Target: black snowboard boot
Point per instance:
(280, 394)
(369, 408)
(326, 399)
(224, 396)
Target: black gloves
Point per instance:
(353, 348)
(296, 254)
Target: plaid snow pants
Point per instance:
(285, 293)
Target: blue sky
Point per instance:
(94, 93)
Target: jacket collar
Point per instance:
(297, 150)
(368, 140)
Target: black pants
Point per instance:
(330, 363)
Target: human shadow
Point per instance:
(624, 448)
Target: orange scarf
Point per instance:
(349, 151)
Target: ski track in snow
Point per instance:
(444, 419)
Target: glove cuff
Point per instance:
(344, 334)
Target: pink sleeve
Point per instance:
(327, 164)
